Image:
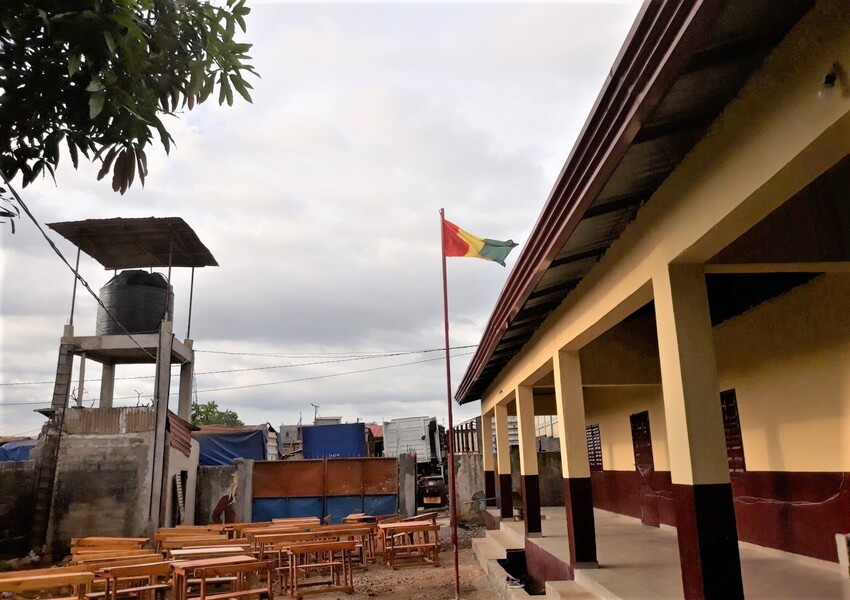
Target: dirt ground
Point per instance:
(425, 583)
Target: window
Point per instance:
(594, 448)
(732, 429)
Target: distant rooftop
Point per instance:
(136, 243)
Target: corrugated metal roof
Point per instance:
(681, 65)
(135, 243)
(180, 430)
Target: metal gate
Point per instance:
(318, 488)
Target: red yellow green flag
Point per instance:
(457, 242)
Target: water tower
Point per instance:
(134, 326)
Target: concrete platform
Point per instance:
(636, 561)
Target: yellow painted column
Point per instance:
(702, 492)
(529, 478)
(578, 489)
(487, 458)
(503, 461)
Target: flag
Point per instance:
(457, 242)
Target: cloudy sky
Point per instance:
(320, 202)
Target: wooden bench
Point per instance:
(137, 580)
(411, 544)
(22, 581)
(242, 588)
(334, 558)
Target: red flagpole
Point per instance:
(451, 432)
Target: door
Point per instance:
(645, 467)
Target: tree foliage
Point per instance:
(96, 77)
(209, 414)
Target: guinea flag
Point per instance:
(457, 242)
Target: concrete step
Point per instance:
(513, 532)
(486, 549)
(568, 590)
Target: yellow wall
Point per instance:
(610, 407)
(789, 363)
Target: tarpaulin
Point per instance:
(17, 450)
(221, 446)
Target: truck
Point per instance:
(419, 435)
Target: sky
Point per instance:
(320, 203)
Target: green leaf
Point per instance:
(110, 41)
(96, 104)
(241, 87)
(74, 64)
(94, 85)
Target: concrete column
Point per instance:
(487, 459)
(107, 385)
(705, 514)
(184, 398)
(163, 383)
(503, 461)
(529, 477)
(578, 491)
(81, 387)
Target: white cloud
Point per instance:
(320, 201)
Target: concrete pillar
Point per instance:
(487, 459)
(705, 514)
(184, 398)
(81, 387)
(503, 461)
(107, 385)
(163, 382)
(529, 476)
(578, 492)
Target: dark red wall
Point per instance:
(794, 512)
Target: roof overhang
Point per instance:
(137, 243)
(681, 64)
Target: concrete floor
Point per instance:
(636, 561)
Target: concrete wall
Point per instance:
(17, 498)
(407, 484)
(103, 488)
(550, 477)
(213, 483)
(178, 462)
(469, 482)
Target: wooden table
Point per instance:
(184, 554)
(25, 582)
(185, 569)
(333, 556)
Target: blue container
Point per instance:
(346, 440)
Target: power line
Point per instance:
(310, 364)
(240, 387)
(251, 385)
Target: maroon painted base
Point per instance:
(506, 496)
(544, 566)
(581, 527)
(489, 520)
(796, 512)
(490, 487)
(531, 503)
(708, 541)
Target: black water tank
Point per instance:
(137, 299)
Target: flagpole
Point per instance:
(451, 432)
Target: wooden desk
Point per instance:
(185, 569)
(150, 578)
(184, 554)
(411, 543)
(332, 556)
(24, 582)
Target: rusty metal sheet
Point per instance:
(380, 476)
(345, 476)
(286, 479)
(107, 421)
